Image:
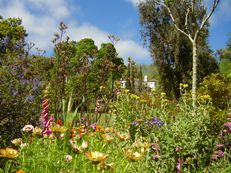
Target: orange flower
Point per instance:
(72, 135)
(60, 122)
(72, 130)
(99, 128)
(20, 171)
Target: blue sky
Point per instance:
(97, 19)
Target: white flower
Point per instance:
(68, 158)
(23, 145)
(28, 128)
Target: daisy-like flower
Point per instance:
(95, 156)
(23, 145)
(17, 141)
(8, 153)
(28, 128)
(77, 148)
(61, 136)
(84, 145)
(107, 137)
(122, 136)
(109, 129)
(37, 131)
(105, 166)
(68, 158)
(134, 156)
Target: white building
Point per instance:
(149, 84)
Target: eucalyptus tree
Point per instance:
(192, 28)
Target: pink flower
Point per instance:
(178, 165)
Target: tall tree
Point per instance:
(188, 17)
(225, 59)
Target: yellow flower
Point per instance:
(133, 96)
(126, 91)
(143, 101)
(37, 131)
(123, 136)
(96, 156)
(134, 156)
(109, 129)
(59, 129)
(107, 137)
(163, 94)
(8, 153)
(105, 166)
(17, 141)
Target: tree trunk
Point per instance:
(194, 76)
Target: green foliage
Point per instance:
(218, 88)
(20, 85)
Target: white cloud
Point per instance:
(135, 2)
(41, 18)
(130, 48)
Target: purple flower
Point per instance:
(5, 41)
(93, 126)
(135, 123)
(46, 120)
(156, 157)
(228, 124)
(217, 154)
(29, 99)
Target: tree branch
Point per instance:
(173, 19)
(206, 18)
